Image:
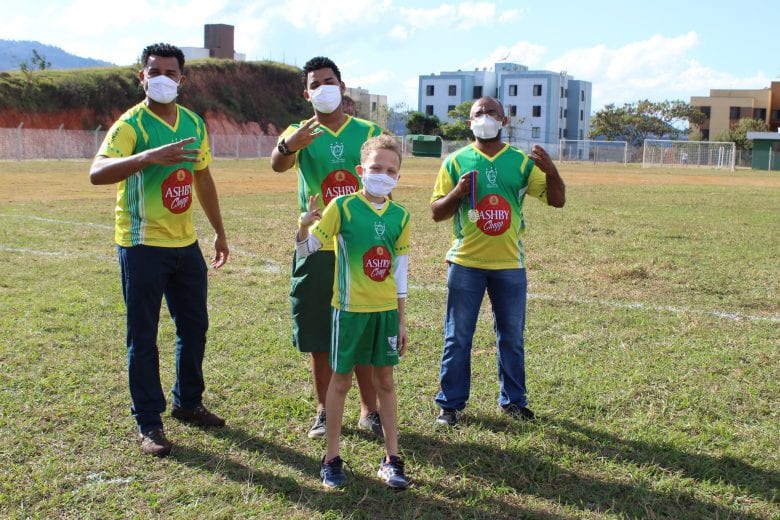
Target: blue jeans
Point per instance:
(507, 289)
(179, 274)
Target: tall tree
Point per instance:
(459, 129)
(738, 132)
(419, 123)
(635, 122)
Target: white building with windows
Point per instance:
(542, 106)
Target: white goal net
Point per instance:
(681, 154)
(592, 151)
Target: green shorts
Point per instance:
(363, 338)
(311, 291)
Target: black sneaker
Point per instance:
(393, 472)
(318, 430)
(448, 417)
(199, 416)
(372, 423)
(520, 413)
(332, 473)
(153, 442)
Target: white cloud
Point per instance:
(524, 53)
(328, 17)
(399, 32)
(379, 79)
(460, 17)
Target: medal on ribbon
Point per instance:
(473, 212)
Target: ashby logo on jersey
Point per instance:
(338, 182)
(337, 150)
(495, 215)
(177, 191)
(377, 263)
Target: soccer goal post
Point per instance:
(681, 154)
(571, 150)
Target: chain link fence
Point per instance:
(21, 144)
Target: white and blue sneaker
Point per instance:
(393, 472)
(332, 472)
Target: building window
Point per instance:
(512, 90)
(373, 106)
(565, 112)
(582, 115)
(477, 92)
(537, 90)
(705, 111)
(453, 90)
(513, 110)
(582, 95)
(734, 113)
(565, 133)
(566, 93)
(536, 111)
(759, 113)
(561, 91)
(535, 132)
(560, 133)
(560, 112)
(705, 134)
(429, 109)
(580, 135)
(429, 90)
(450, 108)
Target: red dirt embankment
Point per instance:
(85, 118)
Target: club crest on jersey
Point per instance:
(337, 150)
(379, 228)
(377, 263)
(491, 173)
(176, 191)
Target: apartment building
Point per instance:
(724, 108)
(542, 106)
(366, 105)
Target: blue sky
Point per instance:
(629, 50)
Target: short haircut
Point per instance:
(317, 63)
(164, 50)
(380, 142)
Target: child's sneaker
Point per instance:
(332, 472)
(393, 472)
(318, 430)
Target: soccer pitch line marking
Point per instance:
(733, 316)
(58, 221)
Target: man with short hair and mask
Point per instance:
(482, 187)
(158, 155)
(325, 151)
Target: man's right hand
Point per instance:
(173, 153)
(304, 135)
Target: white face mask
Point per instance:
(378, 184)
(326, 98)
(162, 89)
(485, 127)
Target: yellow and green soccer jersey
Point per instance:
(367, 241)
(327, 166)
(154, 205)
(493, 241)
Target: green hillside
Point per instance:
(264, 92)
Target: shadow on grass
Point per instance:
(527, 472)
(363, 497)
(750, 479)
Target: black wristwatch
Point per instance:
(283, 148)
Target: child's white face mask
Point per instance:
(379, 184)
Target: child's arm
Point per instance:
(306, 244)
(400, 275)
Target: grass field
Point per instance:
(651, 349)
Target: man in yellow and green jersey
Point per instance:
(482, 187)
(325, 151)
(158, 155)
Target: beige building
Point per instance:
(366, 105)
(724, 108)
